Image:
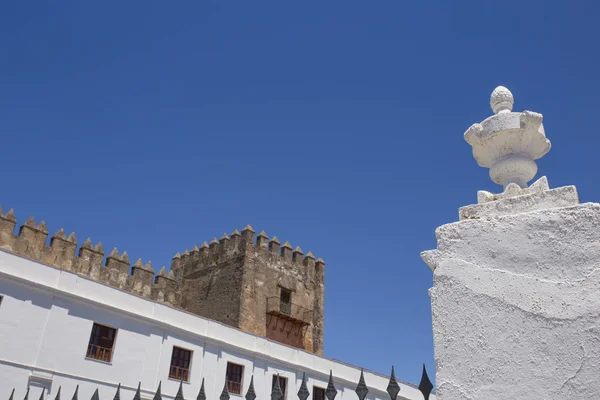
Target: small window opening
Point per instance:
(180, 364)
(234, 378)
(101, 343)
(318, 393)
(285, 302)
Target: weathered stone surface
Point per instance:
(516, 300)
(233, 281)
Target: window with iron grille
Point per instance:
(233, 377)
(282, 384)
(285, 301)
(180, 364)
(318, 393)
(101, 343)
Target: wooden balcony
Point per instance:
(289, 311)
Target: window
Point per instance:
(282, 384)
(180, 364)
(318, 393)
(234, 378)
(285, 301)
(101, 343)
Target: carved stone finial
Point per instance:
(274, 240)
(163, 271)
(235, 233)
(72, 238)
(177, 255)
(87, 244)
(204, 245)
(125, 257)
(501, 100)
(60, 234)
(508, 143)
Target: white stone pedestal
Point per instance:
(516, 297)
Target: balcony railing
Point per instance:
(99, 353)
(289, 311)
(179, 373)
(234, 387)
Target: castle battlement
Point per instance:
(31, 243)
(235, 246)
(229, 279)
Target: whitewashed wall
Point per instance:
(46, 318)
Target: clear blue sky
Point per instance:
(153, 126)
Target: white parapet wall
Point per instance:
(46, 317)
(516, 293)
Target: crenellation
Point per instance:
(31, 239)
(297, 255)
(309, 261)
(165, 288)
(262, 240)
(286, 251)
(118, 262)
(213, 247)
(61, 251)
(236, 237)
(248, 234)
(224, 244)
(274, 245)
(176, 264)
(90, 259)
(7, 229)
(141, 279)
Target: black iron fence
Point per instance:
(393, 389)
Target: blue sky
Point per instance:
(153, 126)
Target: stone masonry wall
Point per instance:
(231, 279)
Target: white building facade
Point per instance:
(47, 316)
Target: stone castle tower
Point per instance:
(260, 287)
(256, 285)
